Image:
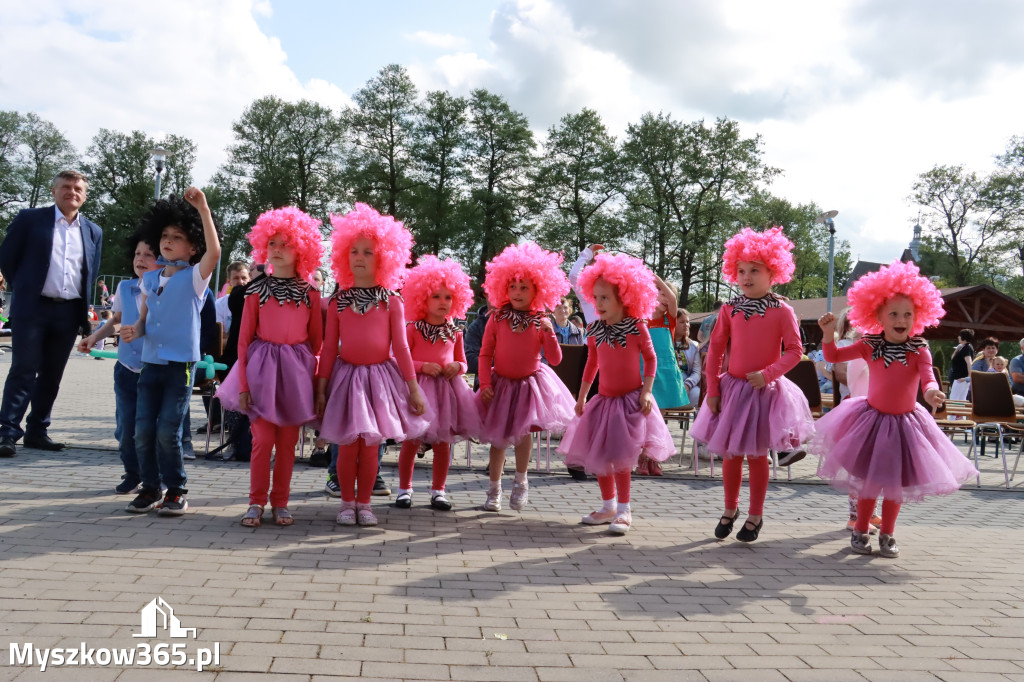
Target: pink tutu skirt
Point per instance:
(456, 414)
(901, 457)
(611, 433)
(539, 402)
(753, 421)
(280, 383)
(369, 402)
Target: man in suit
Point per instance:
(51, 257)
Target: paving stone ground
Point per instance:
(470, 595)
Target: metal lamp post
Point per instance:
(159, 155)
(826, 218)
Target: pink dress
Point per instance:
(608, 438)
(277, 346)
(886, 443)
(451, 401)
(367, 393)
(528, 395)
(752, 421)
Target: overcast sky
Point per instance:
(853, 99)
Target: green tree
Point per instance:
(1005, 193)
(177, 175)
(10, 194)
(45, 152)
(381, 130)
(958, 217)
(439, 154)
(577, 183)
(500, 161)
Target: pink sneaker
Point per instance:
(365, 515)
(621, 524)
(347, 515)
(599, 518)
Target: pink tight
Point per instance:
(407, 461)
(732, 477)
(615, 485)
(265, 437)
(866, 507)
(357, 462)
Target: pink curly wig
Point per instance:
(392, 245)
(875, 289)
(770, 247)
(530, 262)
(430, 275)
(298, 230)
(631, 278)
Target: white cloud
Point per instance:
(188, 67)
(440, 41)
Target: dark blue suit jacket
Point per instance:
(25, 259)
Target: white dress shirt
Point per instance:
(64, 276)
(586, 255)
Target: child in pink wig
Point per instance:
(366, 396)
(886, 443)
(520, 395)
(277, 346)
(435, 291)
(608, 435)
(753, 407)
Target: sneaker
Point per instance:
(347, 515)
(577, 474)
(493, 503)
(876, 521)
(620, 526)
(440, 501)
(787, 457)
(188, 454)
(365, 515)
(128, 485)
(887, 546)
(175, 503)
(599, 518)
(319, 458)
(331, 487)
(520, 496)
(860, 542)
(380, 487)
(145, 501)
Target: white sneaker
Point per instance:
(520, 496)
(620, 526)
(493, 503)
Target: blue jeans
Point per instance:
(126, 393)
(164, 392)
(41, 344)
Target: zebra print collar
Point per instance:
(754, 306)
(893, 352)
(520, 320)
(613, 334)
(361, 299)
(292, 290)
(432, 333)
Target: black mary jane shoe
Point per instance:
(404, 501)
(749, 535)
(723, 530)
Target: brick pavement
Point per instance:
(475, 596)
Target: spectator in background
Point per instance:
(984, 361)
(474, 337)
(585, 259)
(960, 366)
(1016, 369)
(238, 275)
(565, 331)
(688, 357)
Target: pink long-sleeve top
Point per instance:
(367, 339)
(754, 345)
(516, 355)
(891, 389)
(621, 364)
(441, 352)
(286, 324)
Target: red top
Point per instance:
(286, 324)
(441, 352)
(621, 365)
(516, 355)
(367, 339)
(754, 345)
(892, 389)
(670, 324)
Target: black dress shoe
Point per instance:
(7, 448)
(749, 535)
(43, 443)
